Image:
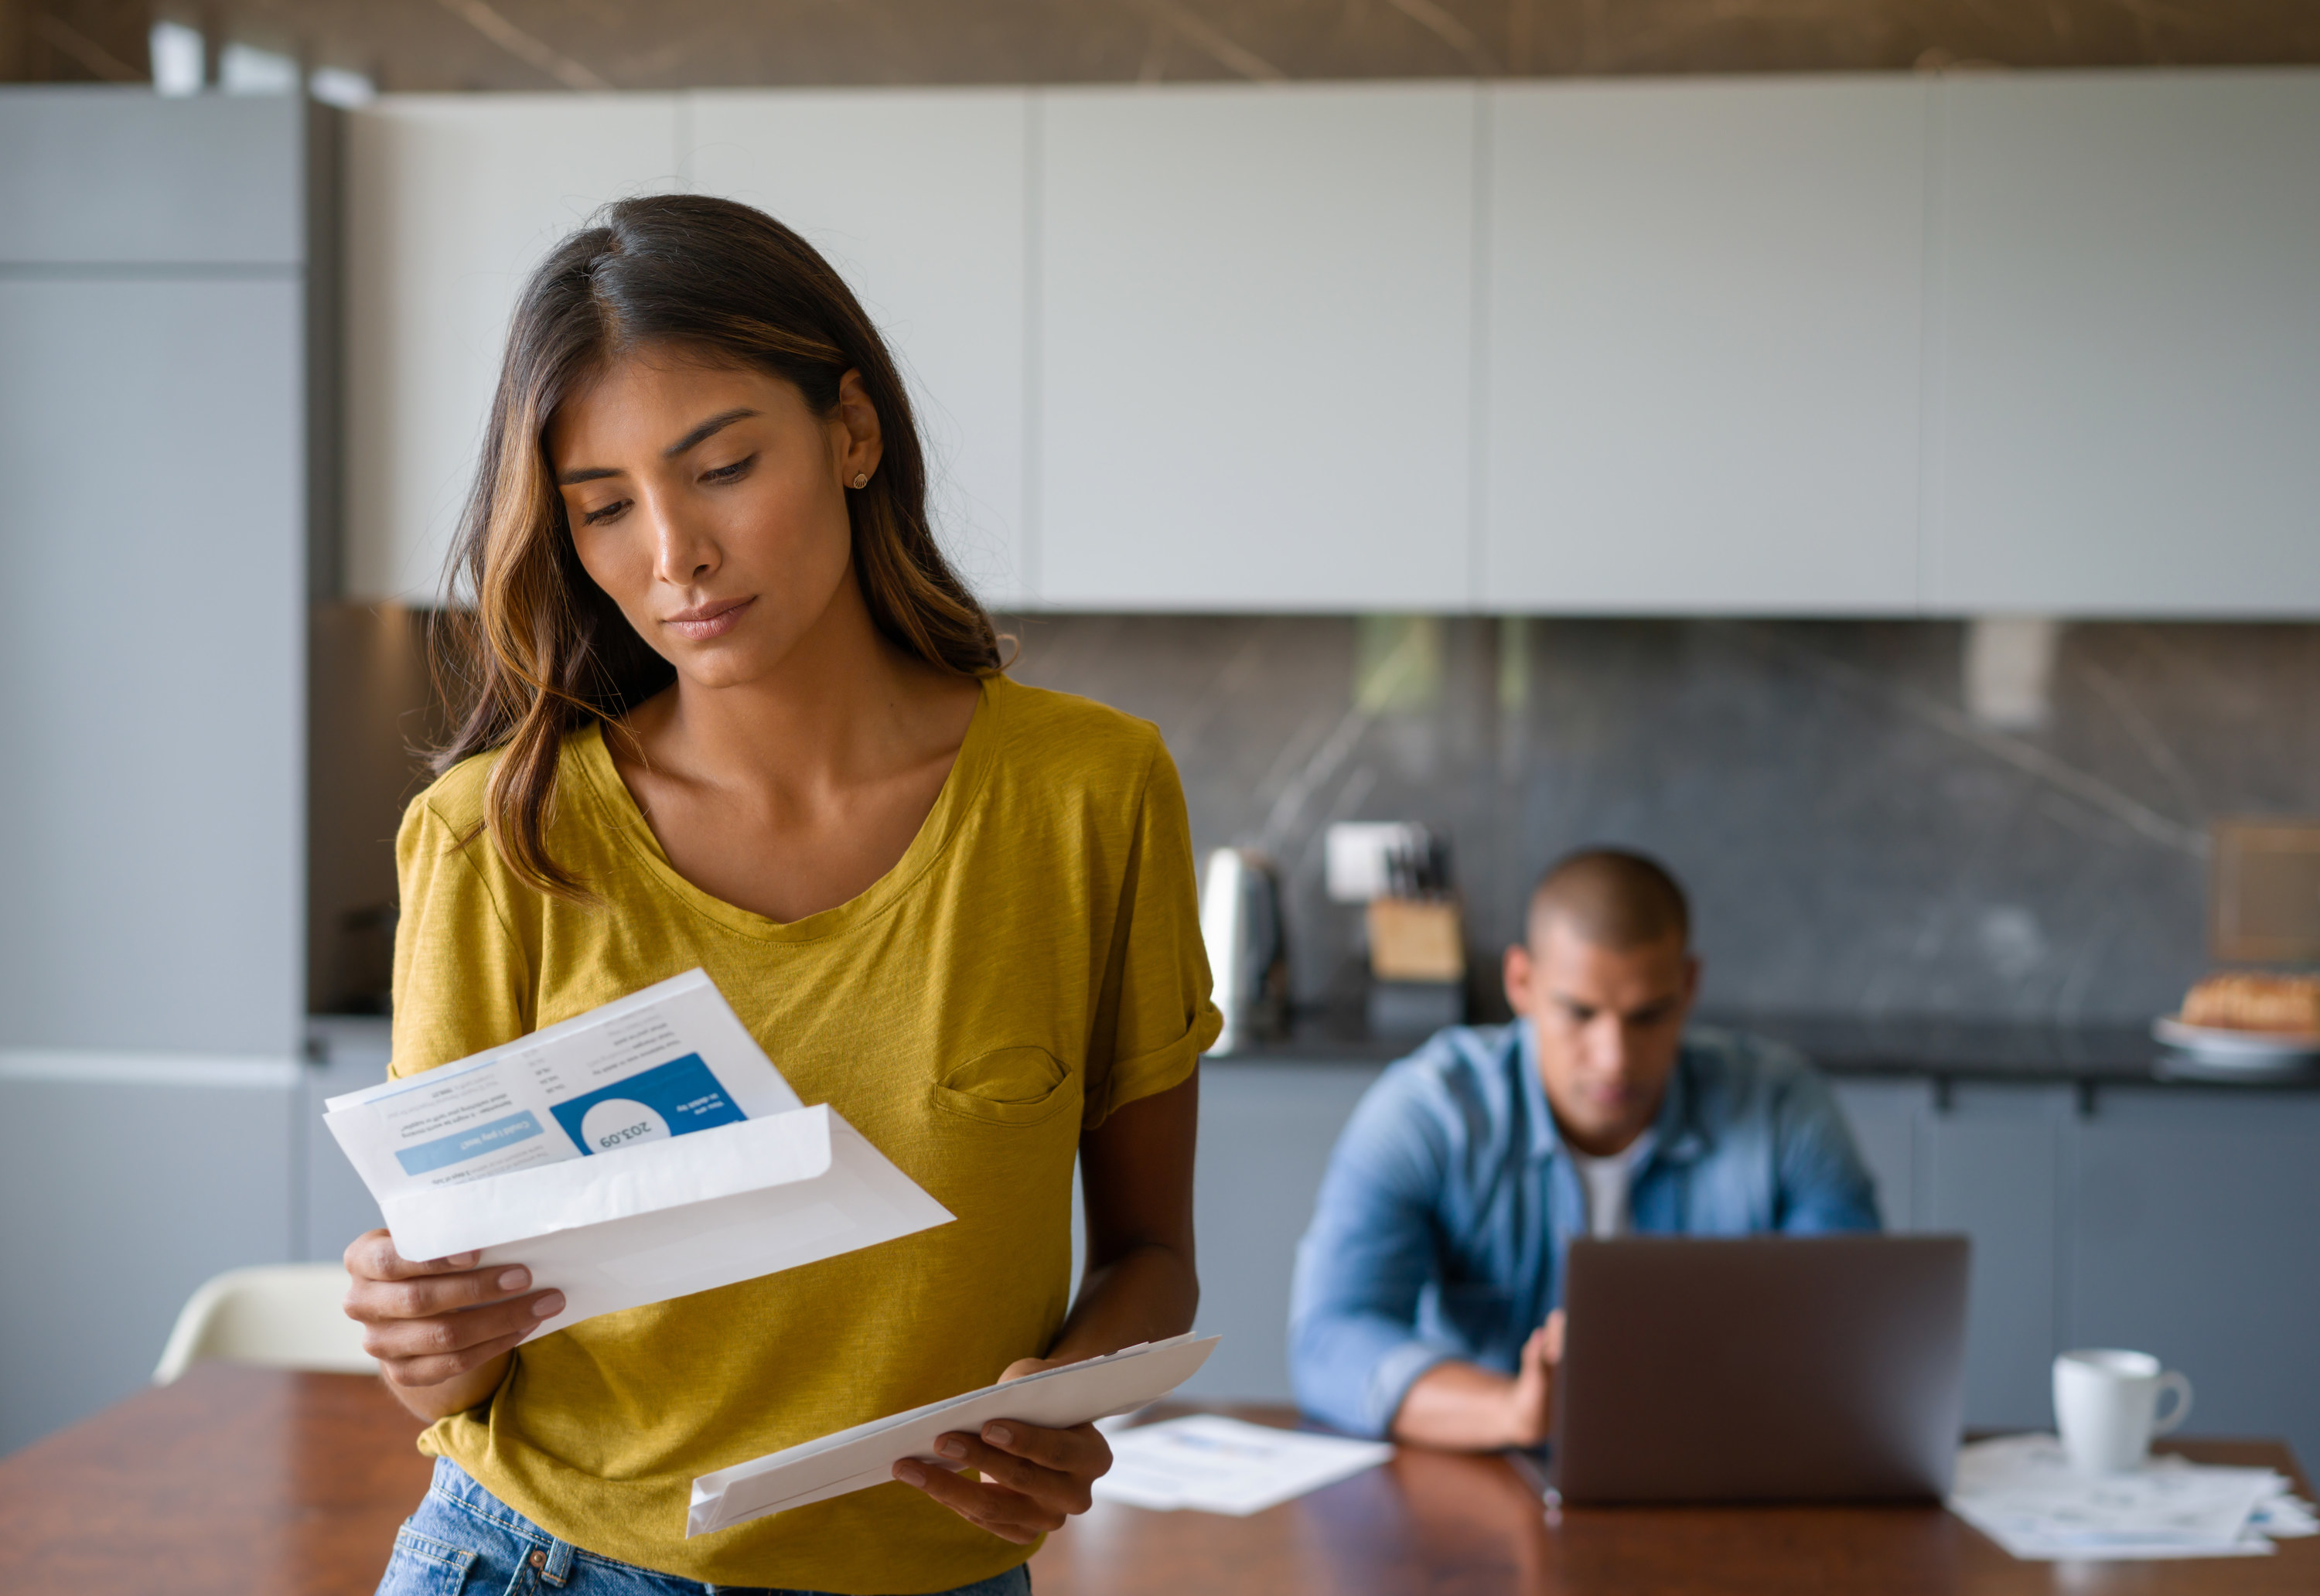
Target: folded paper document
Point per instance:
(643, 1151)
(1213, 1465)
(2021, 1492)
(865, 1456)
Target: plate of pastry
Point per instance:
(2248, 1022)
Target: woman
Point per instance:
(731, 708)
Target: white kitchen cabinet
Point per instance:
(156, 769)
(207, 180)
(1253, 348)
(450, 200)
(1843, 346)
(2127, 329)
(154, 441)
(919, 199)
(157, 279)
(1701, 346)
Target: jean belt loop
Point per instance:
(559, 1562)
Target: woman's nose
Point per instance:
(680, 555)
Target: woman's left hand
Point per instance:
(1033, 1477)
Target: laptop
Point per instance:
(1763, 1368)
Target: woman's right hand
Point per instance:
(440, 1330)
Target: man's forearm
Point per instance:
(1463, 1408)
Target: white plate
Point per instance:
(2247, 1050)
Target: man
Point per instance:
(1426, 1303)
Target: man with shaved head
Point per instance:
(1428, 1298)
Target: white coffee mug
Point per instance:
(2106, 1407)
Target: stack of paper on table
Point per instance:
(1214, 1464)
(645, 1149)
(2021, 1492)
(864, 1456)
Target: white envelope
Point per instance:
(667, 1219)
(643, 1151)
(864, 1456)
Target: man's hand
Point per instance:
(1033, 1478)
(1462, 1408)
(440, 1328)
(1530, 1399)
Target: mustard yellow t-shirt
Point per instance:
(1032, 963)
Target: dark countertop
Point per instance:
(1914, 1047)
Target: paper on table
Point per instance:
(854, 1459)
(645, 1149)
(2022, 1492)
(1214, 1464)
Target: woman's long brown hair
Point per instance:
(538, 649)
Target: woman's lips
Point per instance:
(704, 621)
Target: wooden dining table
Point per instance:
(247, 1482)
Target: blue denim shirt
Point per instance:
(1442, 1223)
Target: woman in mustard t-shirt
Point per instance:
(727, 707)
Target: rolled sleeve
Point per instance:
(1155, 1018)
(1353, 1347)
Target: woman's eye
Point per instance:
(603, 513)
(732, 473)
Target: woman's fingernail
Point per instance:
(514, 1280)
(910, 1473)
(998, 1435)
(549, 1306)
(951, 1446)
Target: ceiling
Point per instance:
(587, 44)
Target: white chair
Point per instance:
(286, 1316)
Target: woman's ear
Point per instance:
(862, 441)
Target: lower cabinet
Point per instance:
(2193, 1220)
(1266, 1133)
(1988, 1166)
(1983, 1160)
(2179, 1221)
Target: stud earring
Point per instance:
(862, 479)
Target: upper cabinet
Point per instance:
(1827, 345)
(451, 201)
(156, 285)
(2128, 320)
(204, 180)
(1253, 349)
(919, 199)
(1702, 347)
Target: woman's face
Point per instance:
(710, 503)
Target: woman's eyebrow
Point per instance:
(708, 429)
(714, 424)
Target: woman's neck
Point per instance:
(844, 707)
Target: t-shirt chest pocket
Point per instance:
(1010, 1086)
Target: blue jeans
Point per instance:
(464, 1541)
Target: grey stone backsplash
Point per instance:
(1860, 833)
